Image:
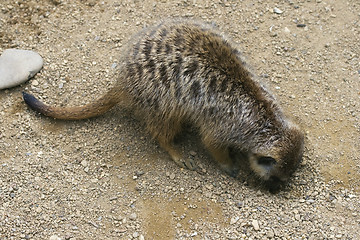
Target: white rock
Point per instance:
(135, 234)
(233, 220)
(55, 237)
(255, 224)
(18, 66)
(133, 216)
(277, 11)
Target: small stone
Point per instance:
(301, 25)
(18, 66)
(270, 234)
(233, 220)
(35, 83)
(84, 163)
(255, 225)
(139, 173)
(297, 217)
(239, 204)
(192, 153)
(133, 216)
(121, 230)
(286, 30)
(172, 176)
(135, 234)
(141, 237)
(54, 237)
(277, 11)
(114, 198)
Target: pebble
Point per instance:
(135, 234)
(54, 237)
(172, 176)
(255, 225)
(141, 237)
(239, 204)
(277, 11)
(18, 66)
(35, 83)
(233, 220)
(270, 234)
(133, 216)
(193, 153)
(84, 163)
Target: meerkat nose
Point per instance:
(274, 184)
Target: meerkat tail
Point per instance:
(98, 107)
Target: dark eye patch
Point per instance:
(266, 161)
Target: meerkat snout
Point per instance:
(267, 163)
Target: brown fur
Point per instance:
(181, 71)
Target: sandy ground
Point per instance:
(104, 178)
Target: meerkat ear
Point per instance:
(266, 162)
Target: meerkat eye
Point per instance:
(266, 162)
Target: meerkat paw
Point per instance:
(190, 164)
(230, 169)
(187, 163)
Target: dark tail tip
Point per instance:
(33, 102)
(29, 99)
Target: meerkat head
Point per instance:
(276, 162)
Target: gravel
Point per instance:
(105, 178)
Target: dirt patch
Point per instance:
(105, 178)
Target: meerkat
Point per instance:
(186, 71)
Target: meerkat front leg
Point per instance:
(221, 155)
(176, 156)
(165, 134)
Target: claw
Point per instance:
(190, 164)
